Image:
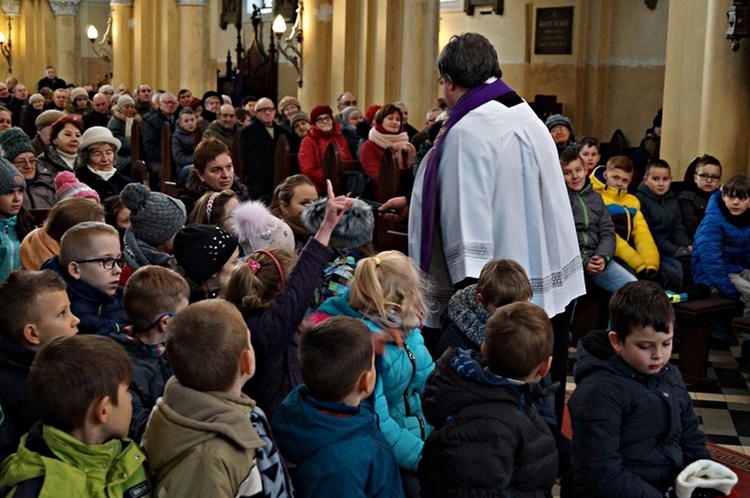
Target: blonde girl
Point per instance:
(387, 294)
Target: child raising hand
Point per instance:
(273, 292)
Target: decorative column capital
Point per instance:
(197, 3)
(11, 7)
(123, 3)
(65, 7)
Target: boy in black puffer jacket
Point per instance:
(634, 428)
(489, 439)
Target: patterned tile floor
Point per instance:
(725, 410)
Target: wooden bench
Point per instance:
(694, 321)
(168, 176)
(39, 215)
(386, 235)
(285, 163)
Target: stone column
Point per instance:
(65, 37)
(193, 46)
(317, 31)
(122, 42)
(706, 89)
(420, 23)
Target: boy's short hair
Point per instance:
(637, 305)
(204, 344)
(518, 338)
(206, 151)
(186, 111)
(151, 291)
(241, 114)
(333, 354)
(588, 141)
(706, 159)
(737, 186)
(568, 155)
(18, 296)
(657, 163)
(503, 281)
(70, 373)
(78, 241)
(620, 162)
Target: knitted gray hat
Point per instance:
(201, 250)
(15, 142)
(154, 217)
(353, 230)
(558, 119)
(10, 177)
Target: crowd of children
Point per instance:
(273, 352)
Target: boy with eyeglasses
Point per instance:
(152, 296)
(694, 199)
(90, 262)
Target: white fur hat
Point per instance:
(704, 474)
(255, 227)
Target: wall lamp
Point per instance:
(103, 47)
(5, 45)
(291, 47)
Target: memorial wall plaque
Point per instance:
(554, 31)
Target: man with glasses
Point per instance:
(343, 101)
(694, 199)
(257, 146)
(152, 128)
(224, 127)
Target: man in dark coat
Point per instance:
(152, 128)
(257, 146)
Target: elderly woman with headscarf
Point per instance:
(323, 131)
(96, 162)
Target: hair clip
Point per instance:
(377, 260)
(210, 205)
(254, 265)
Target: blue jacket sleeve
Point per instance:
(708, 263)
(406, 446)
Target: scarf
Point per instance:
(475, 97)
(129, 127)
(69, 159)
(397, 142)
(104, 175)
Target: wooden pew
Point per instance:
(239, 169)
(387, 235)
(139, 172)
(136, 146)
(285, 162)
(168, 176)
(39, 215)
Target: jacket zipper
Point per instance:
(407, 407)
(11, 248)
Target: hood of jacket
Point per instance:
(600, 185)
(303, 425)
(339, 305)
(467, 315)
(78, 288)
(460, 380)
(186, 418)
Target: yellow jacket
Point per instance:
(635, 245)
